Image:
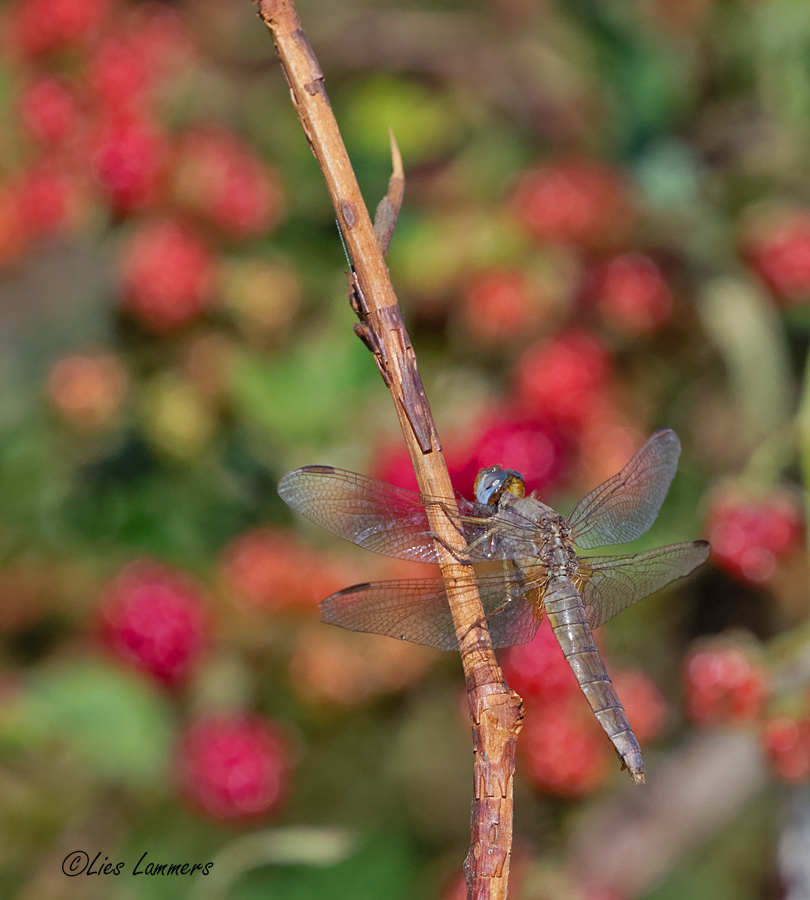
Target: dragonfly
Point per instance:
(542, 571)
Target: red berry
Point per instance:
(563, 377)
(787, 745)
(47, 198)
(61, 26)
(778, 249)
(48, 110)
(221, 179)
(749, 535)
(723, 684)
(162, 37)
(128, 157)
(234, 766)
(564, 751)
(15, 227)
(118, 75)
(500, 306)
(167, 275)
(268, 569)
(155, 618)
(631, 293)
(538, 671)
(581, 202)
(88, 390)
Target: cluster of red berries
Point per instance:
(581, 214)
(750, 534)
(786, 741)
(582, 202)
(96, 76)
(232, 765)
(777, 246)
(725, 684)
(564, 750)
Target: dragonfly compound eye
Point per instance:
(492, 483)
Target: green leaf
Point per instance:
(383, 867)
(304, 395)
(748, 333)
(118, 724)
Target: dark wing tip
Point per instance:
(286, 481)
(668, 436)
(705, 546)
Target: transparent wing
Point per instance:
(625, 506)
(392, 521)
(418, 611)
(609, 584)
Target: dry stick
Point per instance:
(496, 710)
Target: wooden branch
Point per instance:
(496, 711)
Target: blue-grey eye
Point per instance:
(491, 483)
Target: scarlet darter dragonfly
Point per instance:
(542, 570)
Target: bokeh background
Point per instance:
(606, 230)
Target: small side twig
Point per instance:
(495, 710)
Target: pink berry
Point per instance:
(128, 158)
(564, 751)
(750, 534)
(631, 293)
(234, 766)
(722, 685)
(500, 306)
(573, 202)
(787, 744)
(778, 249)
(118, 75)
(221, 179)
(48, 110)
(63, 25)
(155, 618)
(167, 275)
(15, 226)
(47, 197)
(563, 377)
(538, 671)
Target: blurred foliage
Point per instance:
(605, 231)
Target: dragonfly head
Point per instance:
(492, 483)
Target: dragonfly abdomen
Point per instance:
(566, 615)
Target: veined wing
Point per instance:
(625, 506)
(391, 520)
(417, 610)
(609, 584)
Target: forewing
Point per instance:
(418, 611)
(625, 506)
(609, 584)
(367, 512)
(391, 520)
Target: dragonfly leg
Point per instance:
(456, 554)
(486, 537)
